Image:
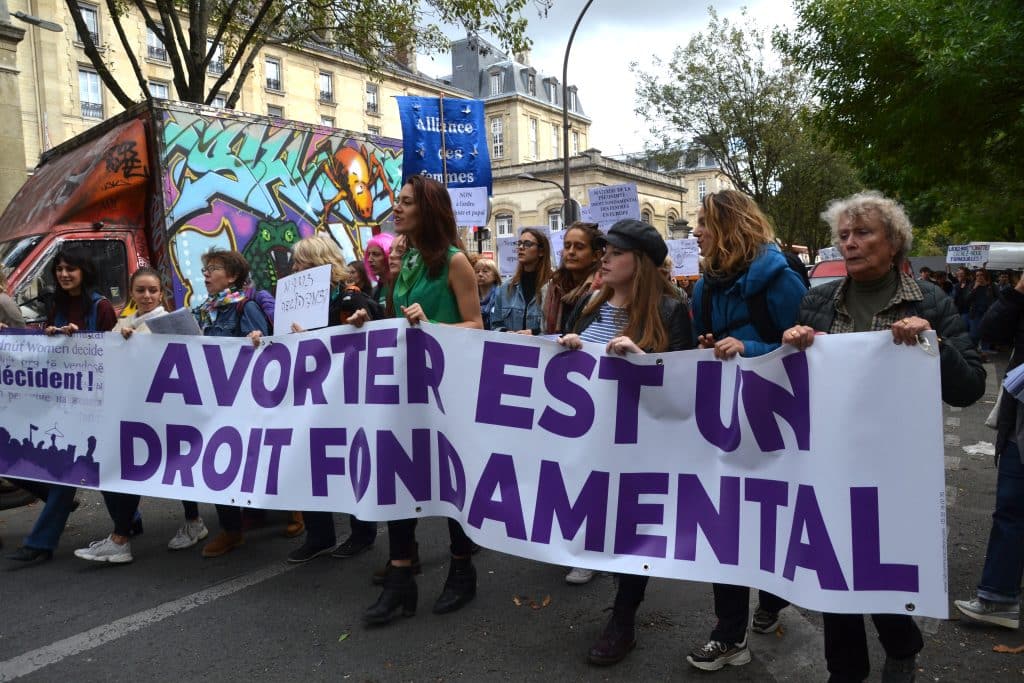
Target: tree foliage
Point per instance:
(195, 33)
(727, 92)
(928, 98)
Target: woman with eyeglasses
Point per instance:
(631, 313)
(435, 284)
(227, 312)
(582, 248)
(519, 302)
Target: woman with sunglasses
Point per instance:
(518, 305)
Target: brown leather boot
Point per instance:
(223, 543)
(295, 525)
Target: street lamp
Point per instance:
(569, 211)
(36, 21)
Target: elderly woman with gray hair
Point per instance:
(874, 235)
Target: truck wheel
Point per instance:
(12, 497)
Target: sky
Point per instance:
(609, 38)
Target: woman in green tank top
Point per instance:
(436, 284)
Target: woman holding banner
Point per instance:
(874, 235)
(747, 296)
(435, 284)
(375, 259)
(77, 307)
(227, 312)
(518, 304)
(631, 313)
(582, 248)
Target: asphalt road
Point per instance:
(250, 617)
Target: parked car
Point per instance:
(827, 271)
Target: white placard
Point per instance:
(613, 203)
(470, 204)
(303, 298)
(967, 253)
(829, 254)
(685, 256)
(180, 321)
(507, 257)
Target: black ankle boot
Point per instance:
(399, 596)
(459, 587)
(617, 639)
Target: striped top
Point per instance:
(610, 322)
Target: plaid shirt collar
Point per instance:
(907, 293)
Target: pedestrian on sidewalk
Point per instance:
(997, 600)
(874, 235)
(747, 296)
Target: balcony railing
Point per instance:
(216, 67)
(327, 96)
(92, 110)
(273, 84)
(157, 52)
(371, 107)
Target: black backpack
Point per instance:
(757, 307)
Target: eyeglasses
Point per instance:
(206, 270)
(525, 244)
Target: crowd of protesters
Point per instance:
(613, 289)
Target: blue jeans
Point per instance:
(1004, 559)
(50, 524)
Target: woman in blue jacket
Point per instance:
(519, 303)
(747, 297)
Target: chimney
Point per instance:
(523, 57)
(405, 54)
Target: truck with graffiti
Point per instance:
(164, 182)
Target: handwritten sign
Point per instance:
(508, 257)
(613, 203)
(685, 257)
(470, 204)
(303, 298)
(967, 253)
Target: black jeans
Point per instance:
(320, 529)
(846, 643)
(122, 507)
(191, 510)
(631, 591)
(230, 518)
(402, 539)
(732, 607)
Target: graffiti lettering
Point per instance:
(124, 158)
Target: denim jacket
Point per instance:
(510, 313)
(227, 323)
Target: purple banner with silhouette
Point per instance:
(806, 474)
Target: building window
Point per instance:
(531, 84)
(90, 94)
(326, 87)
(555, 219)
(219, 101)
(154, 48)
(275, 111)
(572, 99)
(555, 140)
(216, 65)
(273, 69)
(503, 225)
(372, 98)
(373, 130)
(702, 190)
(575, 142)
(645, 216)
(160, 90)
(91, 17)
(497, 137)
(327, 121)
(495, 84)
(533, 138)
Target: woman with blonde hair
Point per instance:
(519, 302)
(747, 296)
(487, 280)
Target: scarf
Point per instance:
(413, 268)
(206, 312)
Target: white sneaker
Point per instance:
(190, 533)
(105, 550)
(579, 576)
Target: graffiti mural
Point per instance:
(234, 181)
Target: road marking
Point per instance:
(952, 421)
(951, 439)
(950, 496)
(953, 409)
(797, 655)
(952, 462)
(32, 661)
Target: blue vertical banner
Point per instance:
(448, 144)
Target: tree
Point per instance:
(928, 98)
(726, 92)
(198, 32)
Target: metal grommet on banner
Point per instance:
(419, 509)
(659, 362)
(646, 567)
(910, 607)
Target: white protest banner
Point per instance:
(967, 253)
(470, 205)
(508, 256)
(303, 298)
(613, 203)
(685, 256)
(568, 457)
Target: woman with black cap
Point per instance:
(633, 312)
